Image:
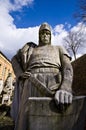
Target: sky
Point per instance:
(20, 21)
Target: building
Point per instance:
(79, 79)
(5, 69)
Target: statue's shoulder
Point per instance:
(18, 61)
(58, 47)
(22, 53)
(63, 51)
(27, 46)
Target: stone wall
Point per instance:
(79, 80)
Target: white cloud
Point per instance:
(17, 4)
(23, 2)
(13, 38)
(82, 28)
(58, 29)
(59, 33)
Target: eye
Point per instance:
(45, 32)
(48, 33)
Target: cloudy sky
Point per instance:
(20, 21)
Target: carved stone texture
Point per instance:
(44, 115)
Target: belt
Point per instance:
(44, 70)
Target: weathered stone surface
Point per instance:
(44, 115)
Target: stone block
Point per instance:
(43, 114)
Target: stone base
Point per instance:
(45, 115)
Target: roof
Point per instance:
(5, 56)
(79, 79)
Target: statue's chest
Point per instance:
(46, 52)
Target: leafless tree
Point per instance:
(81, 10)
(73, 41)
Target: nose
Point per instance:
(45, 34)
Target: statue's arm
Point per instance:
(64, 94)
(67, 74)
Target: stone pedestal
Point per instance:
(43, 114)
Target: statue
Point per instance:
(41, 70)
(8, 90)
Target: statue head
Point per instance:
(44, 34)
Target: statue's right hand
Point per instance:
(63, 97)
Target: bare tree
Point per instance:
(81, 11)
(73, 41)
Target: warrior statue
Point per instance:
(41, 70)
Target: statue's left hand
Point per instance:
(63, 97)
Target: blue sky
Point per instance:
(20, 21)
(52, 11)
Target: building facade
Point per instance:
(5, 69)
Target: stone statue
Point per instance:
(41, 70)
(8, 90)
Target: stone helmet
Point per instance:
(44, 26)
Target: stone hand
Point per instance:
(63, 97)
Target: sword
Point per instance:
(42, 88)
(79, 97)
(39, 85)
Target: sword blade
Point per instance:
(79, 97)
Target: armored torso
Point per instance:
(45, 56)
